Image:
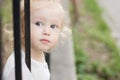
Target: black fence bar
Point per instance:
(47, 57)
(0, 42)
(0, 51)
(27, 33)
(17, 40)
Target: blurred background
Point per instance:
(95, 36)
(96, 30)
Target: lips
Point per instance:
(45, 40)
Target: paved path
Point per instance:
(62, 62)
(111, 15)
(62, 58)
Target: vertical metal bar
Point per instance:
(47, 57)
(0, 51)
(17, 40)
(27, 34)
(0, 43)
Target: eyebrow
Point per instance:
(51, 21)
(40, 17)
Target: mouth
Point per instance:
(44, 40)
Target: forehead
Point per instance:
(46, 4)
(47, 10)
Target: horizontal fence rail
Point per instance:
(17, 40)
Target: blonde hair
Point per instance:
(64, 33)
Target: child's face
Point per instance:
(46, 24)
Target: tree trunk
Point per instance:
(75, 11)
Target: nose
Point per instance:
(46, 31)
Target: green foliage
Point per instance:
(93, 7)
(88, 77)
(92, 36)
(6, 11)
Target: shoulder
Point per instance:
(9, 69)
(9, 66)
(10, 62)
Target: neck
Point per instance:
(36, 55)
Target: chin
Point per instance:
(44, 49)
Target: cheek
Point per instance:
(55, 38)
(54, 41)
(34, 35)
(35, 32)
(33, 39)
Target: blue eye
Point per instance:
(39, 23)
(53, 26)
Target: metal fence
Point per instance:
(17, 38)
(17, 42)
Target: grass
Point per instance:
(7, 11)
(97, 56)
